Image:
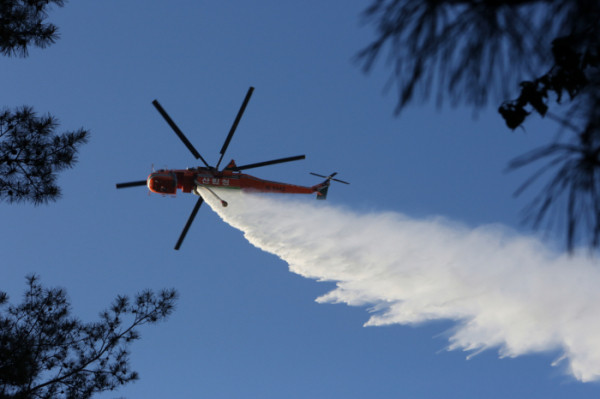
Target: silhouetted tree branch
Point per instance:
(46, 353)
(31, 154)
(473, 48)
(469, 48)
(21, 25)
(575, 164)
(575, 70)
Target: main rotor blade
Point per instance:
(189, 223)
(132, 184)
(235, 123)
(273, 162)
(314, 174)
(178, 132)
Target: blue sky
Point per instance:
(245, 325)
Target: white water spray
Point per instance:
(502, 289)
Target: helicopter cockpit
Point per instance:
(163, 182)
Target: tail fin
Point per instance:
(322, 188)
(322, 193)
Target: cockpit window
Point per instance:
(163, 183)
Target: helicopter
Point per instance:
(194, 179)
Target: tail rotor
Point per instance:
(324, 187)
(330, 177)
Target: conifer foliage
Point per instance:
(21, 25)
(31, 155)
(469, 50)
(47, 353)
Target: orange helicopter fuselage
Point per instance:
(168, 181)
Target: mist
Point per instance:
(504, 291)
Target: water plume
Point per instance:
(503, 290)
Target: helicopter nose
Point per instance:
(162, 183)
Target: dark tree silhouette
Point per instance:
(46, 353)
(471, 49)
(31, 154)
(21, 25)
(576, 161)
